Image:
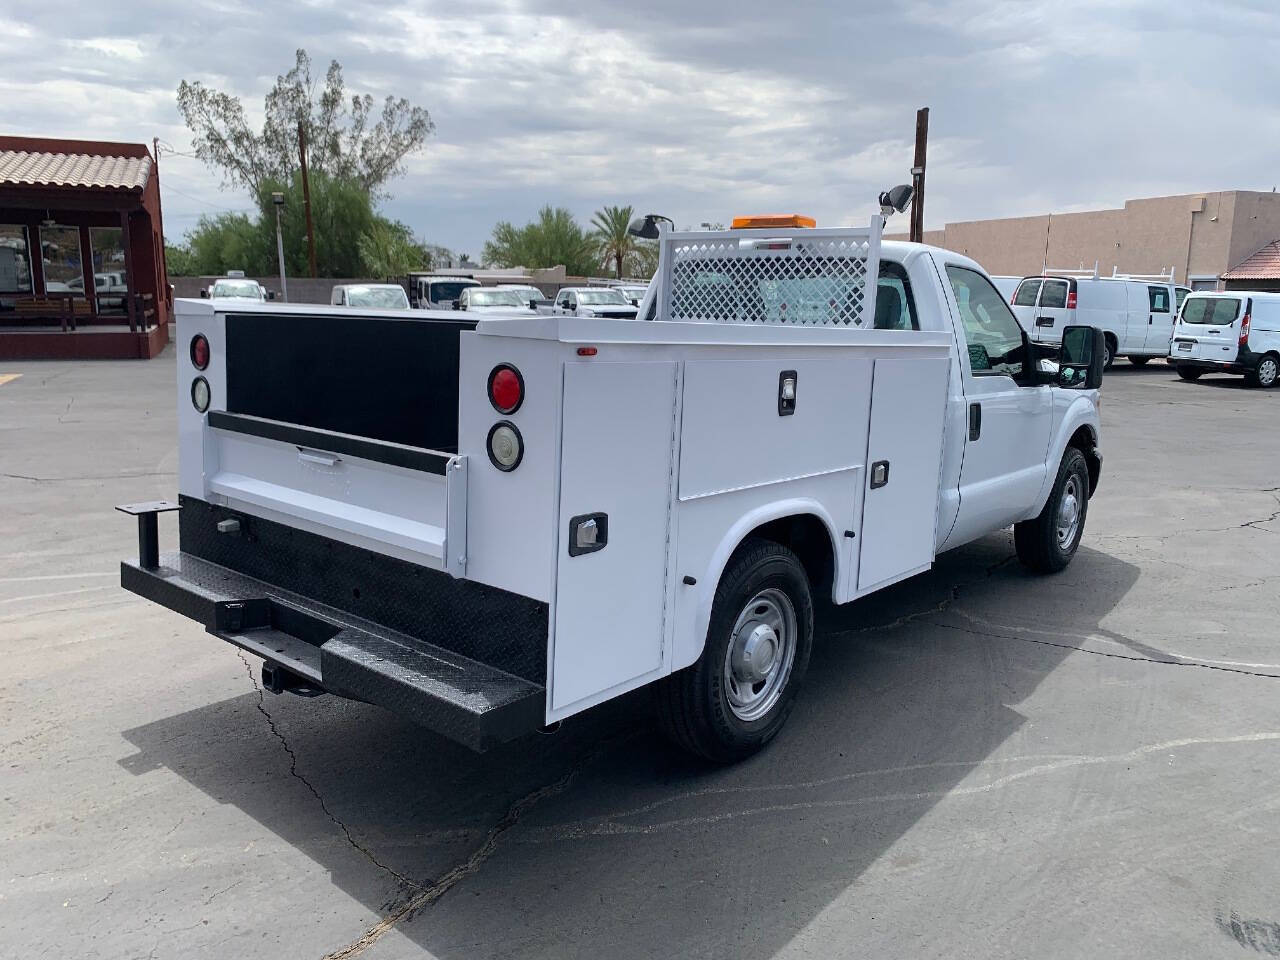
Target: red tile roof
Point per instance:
(26, 168)
(1263, 265)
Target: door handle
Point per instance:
(975, 421)
(320, 459)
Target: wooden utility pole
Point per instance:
(306, 198)
(917, 175)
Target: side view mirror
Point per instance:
(896, 199)
(204, 293)
(271, 294)
(1080, 358)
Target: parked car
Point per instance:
(237, 288)
(1234, 332)
(593, 302)
(384, 296)
(633, 292)
(527, 291)
(487, 528)
(1135, 314)
(493, 300)
(1006, 286)
(430, 292)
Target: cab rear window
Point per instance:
(1215, 310)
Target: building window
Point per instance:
(63, 264)
(108, 269)
(15, 259)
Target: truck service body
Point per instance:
(489, 525)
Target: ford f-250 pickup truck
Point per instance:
(489, 525)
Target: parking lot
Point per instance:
(982, 763)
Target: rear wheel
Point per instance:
(1189, 373)
(1047, 543)
(1265, 373)
(1108, 351)
(737, 696)
(1139, 361)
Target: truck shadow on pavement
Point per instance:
(603, 840)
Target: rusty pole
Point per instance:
(917, 175)
(306, 198)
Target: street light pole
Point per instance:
(278, 200)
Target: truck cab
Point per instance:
(432, 292)
(490, 524)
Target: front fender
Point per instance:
(687, 644)
(1082, 411)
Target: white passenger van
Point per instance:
(1234, 332)
(1134, 312)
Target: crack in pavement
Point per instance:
(953, 595)
(1174, 661)
(428, 895)
(293, 772)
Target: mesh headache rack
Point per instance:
(797, 276)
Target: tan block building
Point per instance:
(1200, 235)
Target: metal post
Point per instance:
(917, 175)
(284, 287)
(148, 541)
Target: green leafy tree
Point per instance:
(614, 245)
(553, 239)
(349, 138)
(388, 249)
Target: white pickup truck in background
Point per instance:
(489, 525)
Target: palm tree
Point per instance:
(613, 242)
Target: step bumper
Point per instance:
(332, 650)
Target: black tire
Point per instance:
(1265, 373)
(1139, 361)
(1109, 347)
(1039, 544)
(1190, 373)
(694, 704)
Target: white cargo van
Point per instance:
(491, 524)
(1236, 332)
(1135, 314)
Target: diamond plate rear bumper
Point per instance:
(465, 700)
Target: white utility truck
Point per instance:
(489, 525)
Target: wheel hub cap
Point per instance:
(1267, 371)
(1069, 512)
(762, 649)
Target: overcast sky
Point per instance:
(698, 110)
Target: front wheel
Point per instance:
(738, 694)
(1047, 543)
(1108, 351)
(1139, 361)
(1189, 373)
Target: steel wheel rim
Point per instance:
(762, 650)
(1267, 371)
(1107, 356)
(1069, 512)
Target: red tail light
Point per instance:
(1244, 330)
(506, 388)
(199, 351)
(1071, 300)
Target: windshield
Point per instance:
(634, 293)
(1218, 310)
(237, 288)
(450, 290)
(495, 298)
(602, 297)
(393, 297)
(526, 293)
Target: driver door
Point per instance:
(1009, 416)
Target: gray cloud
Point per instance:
(700, 110)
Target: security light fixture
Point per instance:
(895, 199)
(646, 227)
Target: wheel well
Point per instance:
(807, 537)
(1083, 441)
